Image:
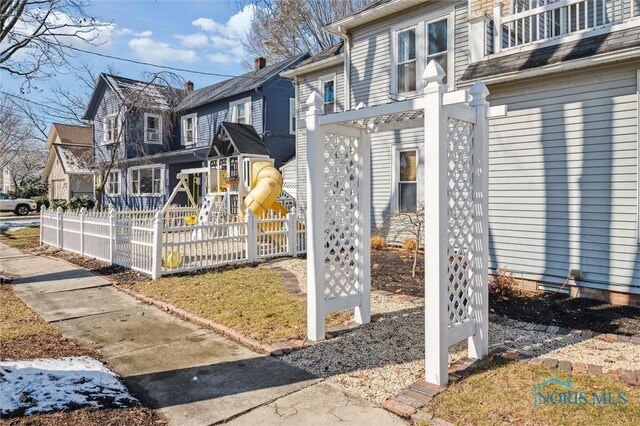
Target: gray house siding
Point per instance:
(306, 85)
(279, 140)
(110, 104)
(563, 178)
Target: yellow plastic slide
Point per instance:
(266, 186)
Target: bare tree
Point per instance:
(26, 169)
(37, 36)
(15, 131)
(409, 224)
(157, 95)
(284, 28)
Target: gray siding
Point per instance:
(563, 178)
(109, 105)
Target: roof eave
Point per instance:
(340, 26)
(315, 66)
(601, 59)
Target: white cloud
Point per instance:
(193, 40)
(158, 52)
(220, 58)
(127, 31)
(224, 43)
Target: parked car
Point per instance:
(20, 206)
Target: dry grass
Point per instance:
(21, 238)
(377, 242)
(252, 301)
(502, 393)
(89, 417)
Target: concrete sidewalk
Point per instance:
(189, 374)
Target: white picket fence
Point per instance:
(161, 244)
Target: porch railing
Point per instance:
(537, 20)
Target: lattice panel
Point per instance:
(342, 215)
(461, 217)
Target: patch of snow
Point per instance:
(54, 384)
(7, 225)
(72, 164)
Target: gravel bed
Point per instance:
(382, 358)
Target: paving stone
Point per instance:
(550, 362)
(536, 361)
(454, 378)
(510, 355)
(594, 369)
(586, 334)
(628, 377)
(564, 366)
(553, 329)
(406, 399)
(610, 337)
(520, 324)
(564, 331)
(530, 326)
(635, 340)
(493, 317)
(426, 388)
(420, 397)
(399, 408)
(422, 416)
(540, 327)
(497, 350)
(624, 339)
(579, 367)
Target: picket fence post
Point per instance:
(156, 263)
(292, 219)
(252, 236)
(59, 225)
(83, 211)
(42, 210)
(112, 235)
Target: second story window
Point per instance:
(328, 93)
(152, 128)
(406, 60)
(240, 111)
(189, 129)
(111, 129)
(292, 116)
(437, 43)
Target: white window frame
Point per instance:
(233, 110)
(161, 169)
(323, 79)
(183, 122)
(395, 173)
(293, 116)
(107, 185)
(115, 128)
(420, 24)
(158, 118)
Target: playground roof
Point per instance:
(242, 137)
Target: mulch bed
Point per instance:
(44, 347)
(391, 271)
(137, 416)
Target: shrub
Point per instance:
(410, 244)
(504, 284)
(59, 203)
(77, 203)
(377, 242)
(42, 200)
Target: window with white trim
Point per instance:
(146, 180)
(327, 88)
(189, 129)
(112, 186)
(407, 180)
(292, 116)
(241, 111)
(152, 128)
(415, 43)
(111, 128)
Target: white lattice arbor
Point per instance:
(456, 224)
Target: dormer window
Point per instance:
(152, 128)
(241, 111)
(189, 127)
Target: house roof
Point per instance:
(72, 145)
(153, 95)
(331, 56)
(236, 85)
(74, 158)
(78, 135)
(369, 13)
(551, 54)
(243, 137)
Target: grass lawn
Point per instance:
(251, 301)
(502, 393)
(21, 238)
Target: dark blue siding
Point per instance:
(279, 141)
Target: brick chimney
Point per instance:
(188, 85)
(259, 63)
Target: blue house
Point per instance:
(145, 133)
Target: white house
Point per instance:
(563, 173)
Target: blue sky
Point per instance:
(202, 35)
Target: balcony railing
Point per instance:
(530, 21)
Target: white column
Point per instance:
(156, 261)
(59, 226)
(478, 37)
(112, 235)
(252, 236)
(436, 222)
(83, 212)
(479, 343)
(497, 27)
(362, 313)
(315, 220)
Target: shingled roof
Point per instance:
(242, 137)
(236, 85)
(333, 51)
(554, 54)
(77, 135)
